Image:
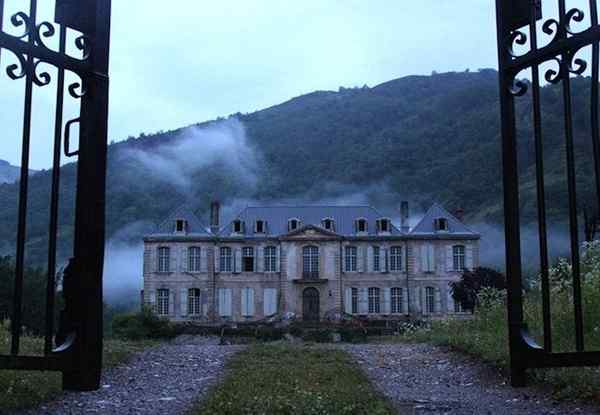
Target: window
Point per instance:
(162, 307)
(248, 259)
(458, 252)
(376, 259)
(397, 299)
(350, 258)
(225, 259)
(354, 300)
(430, 299)
(238, 226)
(270, 301)
(328, 224)
(427, 258)
(180, 225)
(310, 262)
(374, 300)
(260, 226)
(194, 259)
(247, 302)
(396, 258)
(224, 302)
(194, 302)
(441, 224)
(458, 308)
(293, 224)
(164, 259)
(270, 254)
(384, 225)
(361, 225)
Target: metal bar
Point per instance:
(557, 47)
(1, 23)
(511, 201)
(594, 103)
(541, 196)
(54, 199)
(571, 184)
(23, 186)
(80, 67)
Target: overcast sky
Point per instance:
(183, 61)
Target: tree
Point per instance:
(472, 282)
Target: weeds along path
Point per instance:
(423, 379)
(167, 379)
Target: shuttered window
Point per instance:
(225, 260)
(376, 259)
(162, 306)
(248, 259)
(458, 252)
(351, 258)
(269, 301)
(374, 300)
(270, 254)
(247, 302)
(164, 259)
(310, 262)
(224, 303)
(194, 302)
(397, 299)
(354, 300)
(194, 259)
(430, 299)
(396, 258)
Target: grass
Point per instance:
(294, 379)
(25, 389)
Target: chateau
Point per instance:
(312, 261)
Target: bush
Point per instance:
(317, 335)
(353, 334)
(142, 325)
(267, 334)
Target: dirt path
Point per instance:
(423, 379)
(166, 379)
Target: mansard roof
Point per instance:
(277, 217)
(194, 225)
(427, 225)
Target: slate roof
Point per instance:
(277, 219)
(426, 225)
(194, 225)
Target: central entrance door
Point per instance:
(310, 304)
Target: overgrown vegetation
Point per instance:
(287, 379)
(24, 389)
(486, 334)
(142, 325)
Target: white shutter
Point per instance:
(152, 299)
(171, 303)
(221, 301)
(387, 300)
(259, 260)
(438, 300)
(423, 254)
(153, 260)
(362, 258)
(405, 300)
(228, 301)
(269, 301)
(173, 254)
(225, 302)
(185, 259)
(469, 257)
(348, 300)
(278, 259)
(245, 302)
(423, 300)
(431, 257)
(386, 262)
(369, 259)
(204, 302)
(363, 301)
(449, 259)
(237, 260)
(250, 301)
(183, 301)
(203, 259)
(382, 263)
(450, 303)
(217, 259)
(343, 258)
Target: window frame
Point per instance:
(245, 250)
(360, 221)
(164, 261)
(262, 225)
(310, 257)
(194, 259)
(270, 258)
(163, 296)
(183, 223)
(458, 257)
(225, 260)
(376, 259)
(327, 220)
(293, 220)
(396, 300)
(374, 297)
(350, 258)
(194, 302)
(354, 299)
(430, 300)
(238, 223)
(438, 225)
(396, 260)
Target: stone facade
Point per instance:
(311, 268)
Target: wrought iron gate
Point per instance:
(517, 27)
(78, 354)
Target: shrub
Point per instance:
(353, 334)
(267, 333)
(142, 325)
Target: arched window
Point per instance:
(383, 225)
(397, 299)
(310, 262)
(374, 300)
(458, 253)
(361, 225)
(164, 259)
(293, 224)
(328, 224)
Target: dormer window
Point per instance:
(238, 226)
(180, 225)
(328, 224)
(259, 226)
(383, 225)
(441, 224)
(361, 226)
(293, 224)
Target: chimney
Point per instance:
(459, 214)
(215, 207)
(404, 227)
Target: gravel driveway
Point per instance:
(422, 379)
(166, 379)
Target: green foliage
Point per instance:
(142, 325)
(466, 290)
(286, 379)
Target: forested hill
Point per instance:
(421, 138)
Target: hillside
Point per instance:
(10, 173)
(421, 138)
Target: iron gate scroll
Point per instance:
(78, 352)
(517, 27)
